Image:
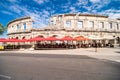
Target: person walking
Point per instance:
(96, 45)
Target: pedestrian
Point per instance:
(96, 45)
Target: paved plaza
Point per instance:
(112, 54)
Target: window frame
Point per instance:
(101, 25)
(68, 25)
(92, 26)
(81, 22)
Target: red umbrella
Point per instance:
(12, 40)
(79, 38)
(22, 40)
(52, 39)
(37, 39)
(3, 40)
(67, 38)
(86, 38)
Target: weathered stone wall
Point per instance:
(18, 25)
(101, 25)
(58, 27)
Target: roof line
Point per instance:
(18, 19)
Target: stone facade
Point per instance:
(20, 28)
(95, 27)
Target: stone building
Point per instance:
(94, 27)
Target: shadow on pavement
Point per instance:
(117, 52)
(47, 55)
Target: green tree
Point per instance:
(2, 29)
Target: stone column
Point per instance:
(28, 25)
(64, 23)
(85, 23)
(95, 25)
(22, 26)
(12, 30)
(72, 24)
(105, 25)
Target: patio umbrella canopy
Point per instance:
(86, 38)
(36, 39)
(80, 38)
(22, 40)
(52, 39)
(12, 40)
(67, 38)
(3, 40)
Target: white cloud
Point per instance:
(87, 8)
(96, 5)
(86, 13)
(95, 1)
(40, 1)
(112, 13)
(6, 12)
(116, 15)
(82, 2)
(73, 10)
(41, 18)
(94, 11)
(15, 8)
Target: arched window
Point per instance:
(109, 25)
(24, 26)
(23, 37)
(54, 35)
(117, 26)
(18, 27)
(41, 36)
(59, 18)
(52, 23)
(16, 37)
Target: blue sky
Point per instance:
(41, 10)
